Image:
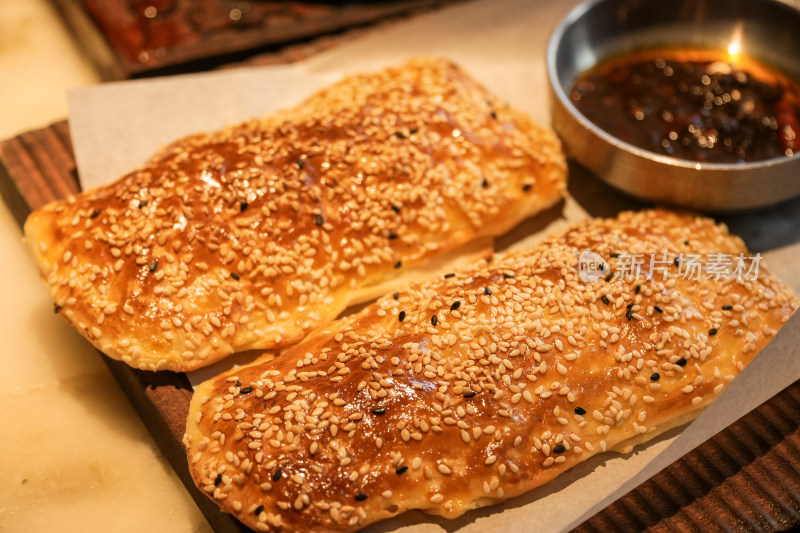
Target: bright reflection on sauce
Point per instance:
(735, 46)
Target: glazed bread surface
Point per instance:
(249, 237)
(478, 386)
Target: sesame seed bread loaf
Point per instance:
(249, 237)
(472, 388)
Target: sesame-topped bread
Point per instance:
(249, 237)
(472, 388)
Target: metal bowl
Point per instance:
(767, 30)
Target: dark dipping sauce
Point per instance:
(694, 105)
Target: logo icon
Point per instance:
(591, 266)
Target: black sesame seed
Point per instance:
(681, 362)
(392, 236)
(360, 497)
(95, 213)
(246, 390)
(508, 276)
(401, 316)
(395, 208)
(259, 510)
(686, 243)
(485, 183)
(727, 307)
(412, 131)
(559, 449)
(629, 306)
(153, 266)
(235, 276)
(487, 291)
(243, 206)
(396, 295)
(434, 321)
(469, 394)
(399, 135)
(609, 276)
(319, 220)
(142, 203)
(527, 187)
(658, 309)
(712, 331)
(238, 383)
(455, 305)
(300, 163)
(218, 480)
(450, 275)
(494, 114)
(56, 308)
(605, 299)
(398, 264)
(615, 255)
(379, 411)
(401, 470)
(629, 314)
(655, 376)
(637, 289)
(580, 411)
(277, 475)
(677, 261)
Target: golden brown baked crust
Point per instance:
(525, 371)
(249, 237)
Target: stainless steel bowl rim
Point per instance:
(552, 47)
